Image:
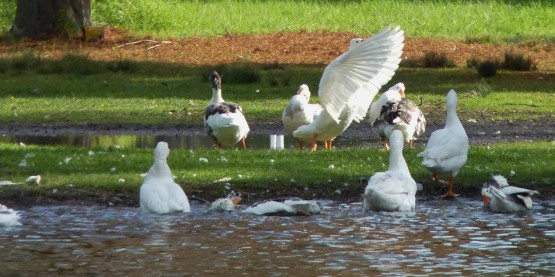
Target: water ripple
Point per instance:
(441, 237)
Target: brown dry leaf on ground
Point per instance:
(284, 48)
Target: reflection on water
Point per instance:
(457, 237)
(149, 141)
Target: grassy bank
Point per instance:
(267, 173)
(78, 90)
(497, 21)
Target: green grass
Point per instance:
(490, 21)
(119, 170)
(78, 90)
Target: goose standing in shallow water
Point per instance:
(503, 198)
(395, 189)
(224, 121)
(8, 217)
(447, 148)
(159, 192)
(350, 82)
(300, 112)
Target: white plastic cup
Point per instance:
(280, 142)
(272, 141)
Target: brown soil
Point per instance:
(284, 47)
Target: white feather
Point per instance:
(350, 82)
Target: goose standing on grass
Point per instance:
(350, 82)
(447, 148)
(395, 189)
(8, 217)
(224, 121)
(394, 93)
(403, 115)
(299, 112)
(159, 192)
(502, 198)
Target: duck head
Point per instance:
(161, 151)
(486, 194)
(400, 87)
(452, 99)
(216, 80)
(304, 91)
(355, 42)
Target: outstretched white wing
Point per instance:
(371, 63)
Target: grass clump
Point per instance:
(517, 62)
(24, 62)
(437, 60)
(487, 69)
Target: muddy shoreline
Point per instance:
(479, 133)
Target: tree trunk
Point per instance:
(48, 18)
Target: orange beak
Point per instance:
(236, 200)
(402, 92)
(486, 200)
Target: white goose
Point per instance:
(299, 112)
(224, 121)
(403, 115)
(395, 189)
(8, 217)
(503, 198)
(159, 193)
(447, 148)
(350, 82)
(285, 207)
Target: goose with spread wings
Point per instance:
(349, 84)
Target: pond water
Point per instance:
(149, 141)
(441, 237)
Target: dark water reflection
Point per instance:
(149, 141)
(459, 238)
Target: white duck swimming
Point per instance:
(402, 115)
(395, 189)
(447, 148)
(8, 217)
(503, 198)
(227, 203)
(224, 121)
(350, 82)
(285, 207)
(300, 112)
(159, 193)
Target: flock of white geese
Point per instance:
(346, 91)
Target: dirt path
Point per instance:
(283, 48)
